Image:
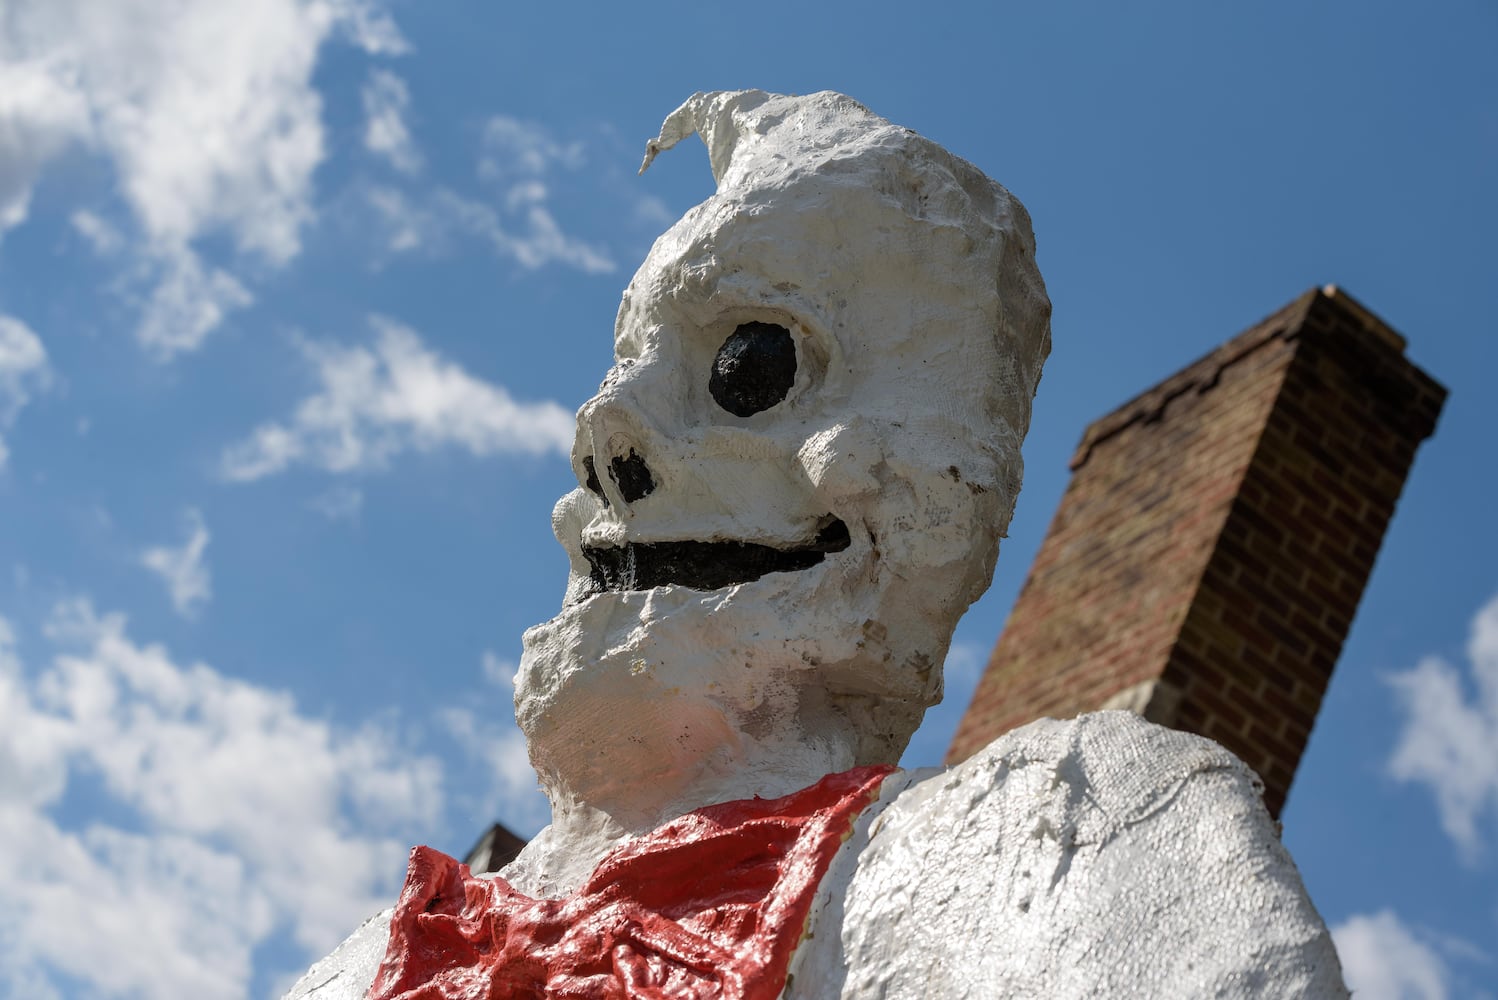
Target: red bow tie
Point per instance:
(711, 905)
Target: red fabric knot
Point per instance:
(711, 905)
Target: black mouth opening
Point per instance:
(705, 565)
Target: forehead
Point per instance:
(831, 246)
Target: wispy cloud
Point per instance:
(496, 743)
(406, 223)
(209, 120)
(23, 372)
(514, 149)
(519, 164)
(102, 236)
(498, 671)
(341, 503)
(386, 99)
(485, 728)
(521, 228)
(1383, 960)
(393, 396)
(541, 239)
(239, 818)
(188, 303)
(1449, 742)
(184, 569)
(965, 663)
(519, 160)
(365, 24)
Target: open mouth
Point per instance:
(705, 565)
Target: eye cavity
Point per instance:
(755, 369)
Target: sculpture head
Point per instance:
(795, 476)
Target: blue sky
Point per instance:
(295, 306)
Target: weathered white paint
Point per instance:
(1105, 856)
(1101, 857)
(347, 973)
(908, 281)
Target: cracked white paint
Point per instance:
(1101, 857)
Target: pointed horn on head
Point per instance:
(719, 117)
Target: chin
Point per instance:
(670, 685)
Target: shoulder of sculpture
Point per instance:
(347, 972)
(1098, 856)
(1109, 768)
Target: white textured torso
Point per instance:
(1098, 857)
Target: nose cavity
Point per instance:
(630, 474)
(609, 436)
(593, 484)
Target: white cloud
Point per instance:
(543, 240)
(187, 304)
(519, 163)
(236, 817)
(485, 728)
(385, 133)
(513, 148)
(23, 366)
(498, 671)
(520, 158)
(523, 229)
(23, 371)
(397, 395)
(406, 225)
(366, 25)
(183, 570)
(965, 663)
(1450, 741)
(101, 235)
(511, 789)
(1383, 960)
(42, 111)
(206, 113)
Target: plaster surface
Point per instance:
(881, 464)
(1104, 856)
(1099, 857)
(792, 483)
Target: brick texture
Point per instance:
(1207, 559)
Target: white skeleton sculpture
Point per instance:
(795, 478)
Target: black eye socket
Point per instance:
(754, 369)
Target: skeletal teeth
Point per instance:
(705, 565)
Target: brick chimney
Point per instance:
(1209, 554)
(496, 848)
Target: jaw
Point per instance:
(636, 701)
(708, 669)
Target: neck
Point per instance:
(591, 817)
(641, 706)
